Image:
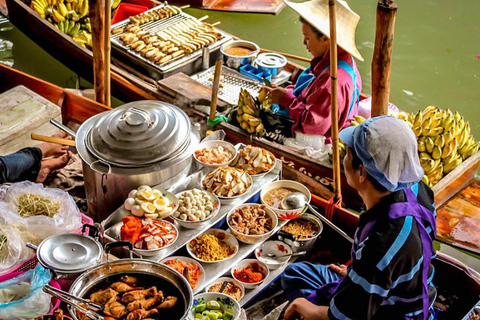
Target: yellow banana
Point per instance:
(436, 153)
(426, 122)
(429, 110)
(440, 141)
(418, 131)
(62, 9)
(429, 145)
(448, 123)
(436, 120)
(254, 122)
(433, 132)
(425, 156)
(251, 129)
(79, 5)
(452, 165)
(457, 116)
(446, 151)
(262, 94)
(448, 136)
(247, 117)
(359, 119)
(417, 122)
(411, 118)
(425, 179)
(428, 166)
(354, 123)
(421, 146)
(404, 116)
(35, 6)
(463, 138)
(260, 129)
(472, 150)
(57, 16)
(69, 6)
(244, 125)
(248, 110)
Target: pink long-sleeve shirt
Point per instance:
(311, 110)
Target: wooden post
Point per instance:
(108, 20)
(97, 20)
(215, 87)
(382, 56)
(333, 80)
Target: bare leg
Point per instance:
(53, 149)
(50, 165)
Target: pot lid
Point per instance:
(69, 253)
(271, 60)
(139, 133)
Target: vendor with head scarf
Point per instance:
(390, 276)
(308, 102)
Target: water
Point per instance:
(434, 56)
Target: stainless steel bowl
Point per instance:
(271, 63)
(237, 61)
(301, 245)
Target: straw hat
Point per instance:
(315, 12)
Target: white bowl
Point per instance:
(232, 280)
(229, 304)
(213, 144)
(230, 200)
(201, 223)
(167, 194)
(248, 262)
(277, 248)
(289, 184)
(201, 277)
(260, 175)
(226, 237)
(248, 238)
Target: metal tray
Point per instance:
(185, 63)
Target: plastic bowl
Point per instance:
(201, 223)
(277, 248)
(249, 238)
(232, 280)
(201, 277)
(289, 184)
(229, 304)
(226, 237)
(249, 262)
(213, 144)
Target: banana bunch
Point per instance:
(341, 146)
(444, 141)
(248, 113)
(68, 16)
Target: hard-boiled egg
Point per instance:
(144, 187)
(129, 203)
(157, 193)
(145, 194)
(137, 211)
(148, 207)
(132, 193)
(161, 204)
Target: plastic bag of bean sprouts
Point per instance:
(44, 211)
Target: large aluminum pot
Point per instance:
(146, 269)
(142, 142)
(236, 61)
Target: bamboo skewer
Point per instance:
(56, 140)
(216, 23)
(185, 6)
(288, 55)
(107, 50)
(203, 18)
(215, 87)
(333, 81)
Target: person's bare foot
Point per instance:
(50, 165)
(53, 149)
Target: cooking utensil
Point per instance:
(301, 244)
(224, 285)
(63, 127)
(270, 62)
(133, 267)
(142, 142)
(293, 254)
(233, 281)
(299, 200)
(55, 140)
(236, 62)
(69, 299)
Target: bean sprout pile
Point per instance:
(30, 205)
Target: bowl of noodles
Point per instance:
(213, 246)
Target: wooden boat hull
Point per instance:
(76, 109)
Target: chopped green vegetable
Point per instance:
(213, 305)
(200, 308)
(212, 316)
(198, 316)
(227, 315)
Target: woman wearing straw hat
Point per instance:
(308, 102)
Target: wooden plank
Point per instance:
(456, 180)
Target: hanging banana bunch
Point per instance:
(444, 141)
(248, 113)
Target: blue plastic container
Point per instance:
(255, 73)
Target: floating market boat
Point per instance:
(458, 285)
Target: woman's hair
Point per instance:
(315, 30)
(356, 162)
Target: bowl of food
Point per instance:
(277, 248)
(147, 202)
(213, 246)
(148, 236)
(195, 208)
(252, 222)
(250, 273)
(210, 305)
(195, 275)
(256, 161)
(273, 194)
(233, 287)
(215, 153)
(227, 183)
(300, 234)
(239, 52)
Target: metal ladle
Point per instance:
(297, 200)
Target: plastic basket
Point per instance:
(126, 10)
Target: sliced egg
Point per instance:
(139, 201)
(137, 211)
(145, 194)
(157, 194)
(144, 187)
(148, 207)
(161, 204)
(129, 203)
(132, 193)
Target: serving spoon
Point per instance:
(297, 200)
(293, 254)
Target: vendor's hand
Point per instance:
(301, 308)
(275, 93)
(339, 269)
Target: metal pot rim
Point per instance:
(237, 43)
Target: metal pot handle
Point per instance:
(111, 245)
(92, 166)
(134, 122)
(93, 231)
